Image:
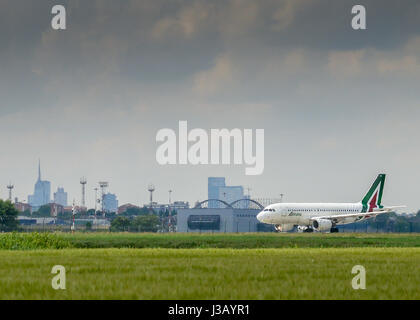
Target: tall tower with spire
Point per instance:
(42, 192)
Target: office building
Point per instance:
(230, 194)
(42, 192)
(60, 197)
(110, 202)
(218, 190)
(214, 183)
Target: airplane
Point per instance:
(325, 217)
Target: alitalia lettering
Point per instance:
(295, 214)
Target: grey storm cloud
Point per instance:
(155, 43)
(335, 103)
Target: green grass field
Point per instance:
(225, 266)
(177, 241)
(242, 241)
(391, 273)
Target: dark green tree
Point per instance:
(120, 224)
(110, 215)
(66, 215)
(88, 226)
(146, 223)
(133, 211)
(8, 217)
(43, 212)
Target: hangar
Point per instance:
(238, 216)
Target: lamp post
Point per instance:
(73, 212)
(170, 213)
(96, 207)
(281, 197)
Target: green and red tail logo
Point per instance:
(373, 198)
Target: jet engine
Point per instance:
(322, 225)
(284, 227)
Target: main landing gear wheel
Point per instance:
(308, 230)
(334, 230)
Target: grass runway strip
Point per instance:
(32, 241)
(302, 273)
(241, 240)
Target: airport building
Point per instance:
(229, 219)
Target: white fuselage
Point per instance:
(303, 213)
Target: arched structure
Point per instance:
(204, 204)
(238, 204)
(246, 204)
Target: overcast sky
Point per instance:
(338, 106)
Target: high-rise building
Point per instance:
(230, 194)
(214, 183)
(110, 202)
(42, 192)
(60, 197)
(217, 189)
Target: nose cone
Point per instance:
(260, 216)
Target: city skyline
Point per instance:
(216, 189)
(111, 199)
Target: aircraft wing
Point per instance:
(338, 217)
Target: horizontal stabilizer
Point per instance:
(392, 208)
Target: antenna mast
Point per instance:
(151, 189)
(10, 186)
(103, 185)
(83, 182)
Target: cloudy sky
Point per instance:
(338, 106)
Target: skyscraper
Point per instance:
(214, 183)
(60, 197)
(110, 202)
(217, 189)
(230, 194)
(42, 192)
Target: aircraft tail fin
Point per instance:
(373, 198)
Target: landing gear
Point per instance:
(334, 230)
(304, 229)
